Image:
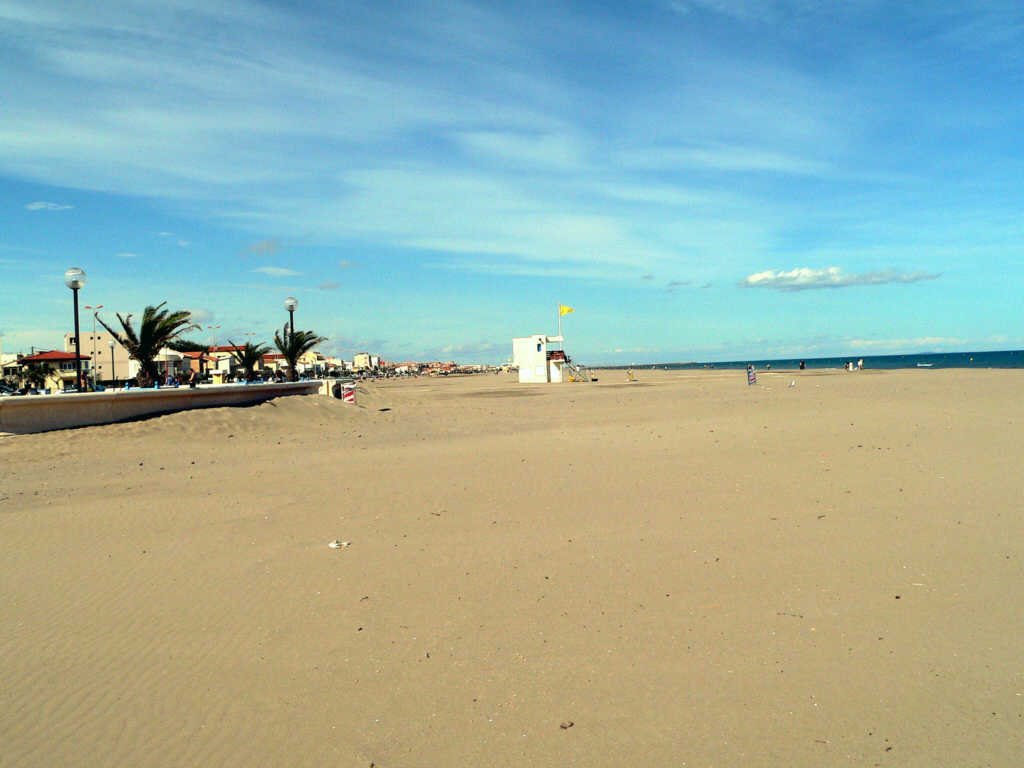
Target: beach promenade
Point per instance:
(823, 569)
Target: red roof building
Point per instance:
(52, 356)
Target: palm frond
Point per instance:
(159, 328)
(295, 345)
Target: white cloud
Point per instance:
(458, 134)
(508, 165)
(200, 315)
(663, 194)
(533, 269)
(731, 159)
(44, 206)
(805, 278)
(277, 271)
(898, 345)
(548, 151)
(126, 255)
(473, 348)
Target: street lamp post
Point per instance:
(113, 371)
(95, 310)
(291, 304)
(74, 278)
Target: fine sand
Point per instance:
(683, 571)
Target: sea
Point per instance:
(1013, 358)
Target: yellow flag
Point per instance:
(564, 310)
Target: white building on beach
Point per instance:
(536, 362)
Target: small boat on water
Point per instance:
(925, 365)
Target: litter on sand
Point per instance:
(339, 544)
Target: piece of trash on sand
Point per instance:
(566, 725)
(339, 544)
(792, 383)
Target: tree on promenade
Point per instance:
(29, 377)
(248, 357)
(295, 345)
(159, 328)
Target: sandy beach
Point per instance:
(822, 570)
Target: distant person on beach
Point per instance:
(193, 378)
(860, 364)
(802, 365)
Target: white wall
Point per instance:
(530, 353)
(41, 413)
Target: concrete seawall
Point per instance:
(42, 413)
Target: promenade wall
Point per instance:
(43, 413)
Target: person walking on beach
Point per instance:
(193, 378)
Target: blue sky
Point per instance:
(700, 179)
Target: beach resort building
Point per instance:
(223, 360)
(362, 361)
(58, 368)
(112, 360)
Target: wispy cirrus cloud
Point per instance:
(277, 271)
(486, 347)
(201, 315)
(544, 150)
(727, 159)
(918, 343)
(41, 205)
(807, 279)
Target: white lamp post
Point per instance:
(74, 278)
(291, 304)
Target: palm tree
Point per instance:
(248, 357)
(33, 376)
(295, 345)
(160, 327)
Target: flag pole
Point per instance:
(558, 314)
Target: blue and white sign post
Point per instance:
(751, 376)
